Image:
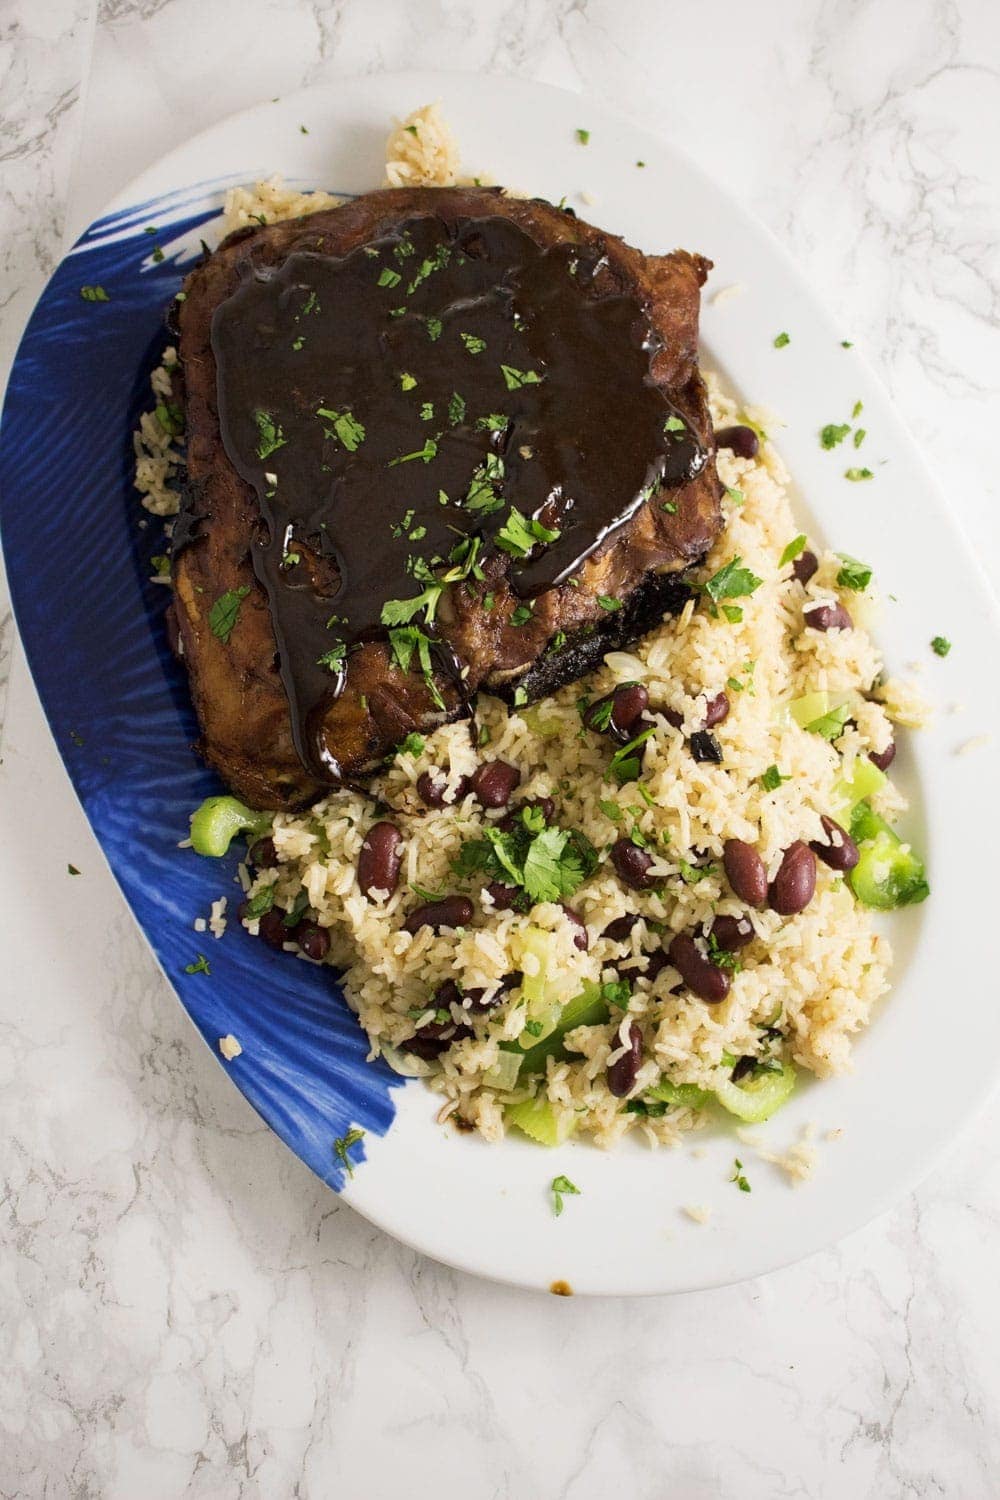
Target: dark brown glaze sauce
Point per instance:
(365, 400)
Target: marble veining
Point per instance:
(184, 1310)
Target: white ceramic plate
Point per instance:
(930, 1057)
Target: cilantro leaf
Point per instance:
(855, 474)
(832, 434)
(794, 549)
(225, 611)
(940, 645)
(342, 1145)
(270, 435)
(562, 1185)
(345, 426)
(472, 343)
(781, 340)
(515, 379)
(519, 535)
(853, 574)
(731, 582)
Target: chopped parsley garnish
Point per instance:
(161, 564)
(624, 764)
(158, 254)
(562, 1185)
(402, 611)
(516, 378)
(259, 903)
(733, 613)
(846, 344)
(832, 433)
(270, 435)
(670, 507)
(521, 615)
(333, 659)
(94, 294)
(426, 267)
(617, 992)
(310, 305)
(456, 409)
(583, 136)
(853, 574)
(735, 497)
(225, 611)
(342, 1145)
(548, 864)
(772, 779)
(412, 745)
(303, 130)
(738, 1176)
(482, 498)
(859, 436)
(831, 725)
(407, 381)
(427, 411)
(425, 454)
(533, 1028)
(794, 549)
(781, 340)
(609, 603)
(611, 811)
(495, 421)
(389, 277)
(409, 639)
(858, 408)
(855, 474)
(691, 874)
(434, 327)
(200, 966)
(674, 424)
(346, 427)
(472, 343)
(519, 535)
(489, 600)
(940, 645)
(298, 343)
(731, 582)
(170, 418)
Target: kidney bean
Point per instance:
(705, 747)
(793, 887)
(506, 897)
(544, 805)
(732, 933)
(627, 703)
(263, 855)
(432, 789)
(272, 929)
(494, 781)
(581, 941)
(804, 566)
(380, 858)
(827, 617)
(434, 1038)
(745, 871)
(618, 930)
(673, 718)
(631, 864)
(716, 709)
(656, 962)
(705, 979)
(451, 911)
(840, 851)
(744, 1065)
(742, 441)
(622, 1072)
(313, 940)
(884, 758)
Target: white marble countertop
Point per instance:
(184, 1310)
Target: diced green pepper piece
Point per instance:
(688, 1095)
(888, 874)
(546, 728)
(864, 781)
(218, 820)
(758, 1098)
(540, 1121)
(589, 1008)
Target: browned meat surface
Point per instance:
(239, 692)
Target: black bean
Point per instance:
(705, 747)
(840, 851)
(262, 855)
(581, 941)
(716, 709)
(494, 781)
(673, 718)
(631, 864)
(707, 980)
(804, 566)
(884, 758)
(622, 1072)
(827, 617)
(447, 994)
(618, 930)
(732, 933)
(313, 940)
(745, 871)
(380, 858)
(451, 911)
(793, 887)
(273, 930)
(506, 897)
(742, 441)
(656, 962)
(744, 1066)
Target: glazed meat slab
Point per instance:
(439, 441)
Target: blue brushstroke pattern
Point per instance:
(117, 702)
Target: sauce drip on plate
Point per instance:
(404, 411)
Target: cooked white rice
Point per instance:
(821, 971)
